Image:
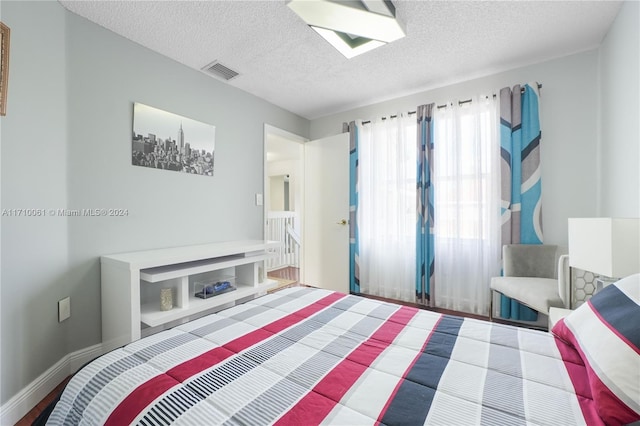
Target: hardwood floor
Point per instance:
(30, 417)
(288, 273)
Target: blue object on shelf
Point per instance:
(215, 289)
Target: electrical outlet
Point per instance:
(64, 309)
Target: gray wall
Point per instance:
(568, 116)
(66, 143)
(34, 175)
(620, 115)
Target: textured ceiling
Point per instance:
(283, 61)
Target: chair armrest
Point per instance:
(564, 280)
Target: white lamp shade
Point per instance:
(605, 246)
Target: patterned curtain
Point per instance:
(424, 225)
(354, 261)
(521, 184)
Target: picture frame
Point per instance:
(168, 141)
(5, 34)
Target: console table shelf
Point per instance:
(131, 284)
(167, 272)
(150, 316)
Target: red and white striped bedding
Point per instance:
(306, 356)
(605, 334)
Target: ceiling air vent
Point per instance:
(220, 71)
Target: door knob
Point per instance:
(342, 222)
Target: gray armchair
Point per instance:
(535, 276)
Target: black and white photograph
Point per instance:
(164, 140)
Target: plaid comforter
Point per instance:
(305, 356)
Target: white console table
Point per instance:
(131, 284)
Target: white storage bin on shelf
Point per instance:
(131, 284)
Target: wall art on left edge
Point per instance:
(5, 33)
(163, 140)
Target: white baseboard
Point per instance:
(21, 403)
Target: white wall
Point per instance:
(66, 143)
(276, 193)
(293, 168)
(569, 130)
(620, 115)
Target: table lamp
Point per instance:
(608, 247)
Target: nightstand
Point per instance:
(555, 314)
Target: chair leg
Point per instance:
(491, 305)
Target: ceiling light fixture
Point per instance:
(346, 45)
(352, 27)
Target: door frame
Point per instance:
(273, 130)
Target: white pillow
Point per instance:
(605, 332)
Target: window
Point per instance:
(466, 185)
(464, 157)
(387, 207)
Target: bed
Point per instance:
(304, 356)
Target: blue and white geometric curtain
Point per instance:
(354, 261)
(424, 199)
(521, 184)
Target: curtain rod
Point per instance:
(444, 106)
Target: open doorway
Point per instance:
(284, 203)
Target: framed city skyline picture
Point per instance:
(168, 141)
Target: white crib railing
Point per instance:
(281, 227)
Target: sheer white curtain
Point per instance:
(386, 207)
(466, 183)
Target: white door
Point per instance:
(326, 207)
